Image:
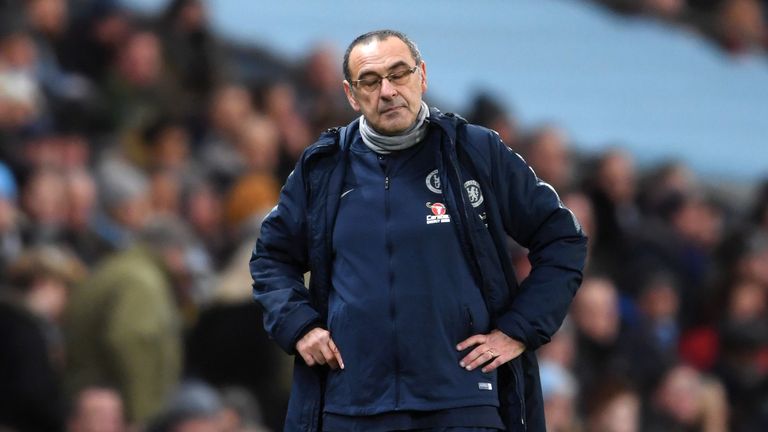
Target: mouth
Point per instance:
(390, 110)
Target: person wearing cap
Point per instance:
(413, 319)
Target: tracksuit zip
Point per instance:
(390, 276)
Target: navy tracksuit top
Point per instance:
(403, 294)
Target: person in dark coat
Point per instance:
(413, 319)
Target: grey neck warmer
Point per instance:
(385, 144)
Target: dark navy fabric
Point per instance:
(297, 236)
(469, 418)
(403, 295)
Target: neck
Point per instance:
(385, 144)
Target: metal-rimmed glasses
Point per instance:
(372, 83)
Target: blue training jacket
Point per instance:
(296, 237)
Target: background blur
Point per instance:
(141, 142)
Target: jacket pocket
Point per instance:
(470, 320)
(511, 396)
(519, 376)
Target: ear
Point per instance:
(350, 96)
(423, 67)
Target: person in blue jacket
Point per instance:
(413, 319)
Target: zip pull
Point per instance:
(386, 183)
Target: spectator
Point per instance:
(546, 150)
(44, 203)
(613, 407)
(124, 325)
(230, 108)
(741, 367)
(324, 105)
(191, 49)
(487, 111)
(612, 191)
(125, 203)
(31, 304)
(81, 196)
(685, 400)
(193, 407)
(21, 98)
(277, 100)
(595, 313)
(97, 409)
(137, 89)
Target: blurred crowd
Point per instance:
(138, 155)
(736, 26)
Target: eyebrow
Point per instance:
(389, 69)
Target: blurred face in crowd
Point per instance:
(203, 210)
(98, 410)
(171, 147)
(390, 108)
(617, 177)
(47, 297)
(621, 414)
(140, 59)
(231, 106)
(48, 16)
(596, 310)
(322, 72)
(193, 16)
(258, 143)
(165, 192)
(753, 266)
(747, 300)
(44, 198)
(549, 157)
(133, 212)
(18, 51)
(699, 223)
(659, 301)
(679, 394)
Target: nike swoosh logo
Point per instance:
(342, 195)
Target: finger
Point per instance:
(328, 356)
(470, 341)
(307, 358)
(319, 358)
(336, 353)
(477, 357)
(498, 361)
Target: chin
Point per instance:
(393, 127)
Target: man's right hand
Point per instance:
(317, 347)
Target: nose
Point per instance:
(388, 90)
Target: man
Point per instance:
(123, 328)
(413, 319)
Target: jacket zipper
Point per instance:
(390, 277)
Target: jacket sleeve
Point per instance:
(533, 215)
(278, 264)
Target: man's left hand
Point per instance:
(494, 347)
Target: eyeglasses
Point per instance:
(372, 83)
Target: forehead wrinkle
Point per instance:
(379, 56)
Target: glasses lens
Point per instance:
(400, 77)
(369, 84)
